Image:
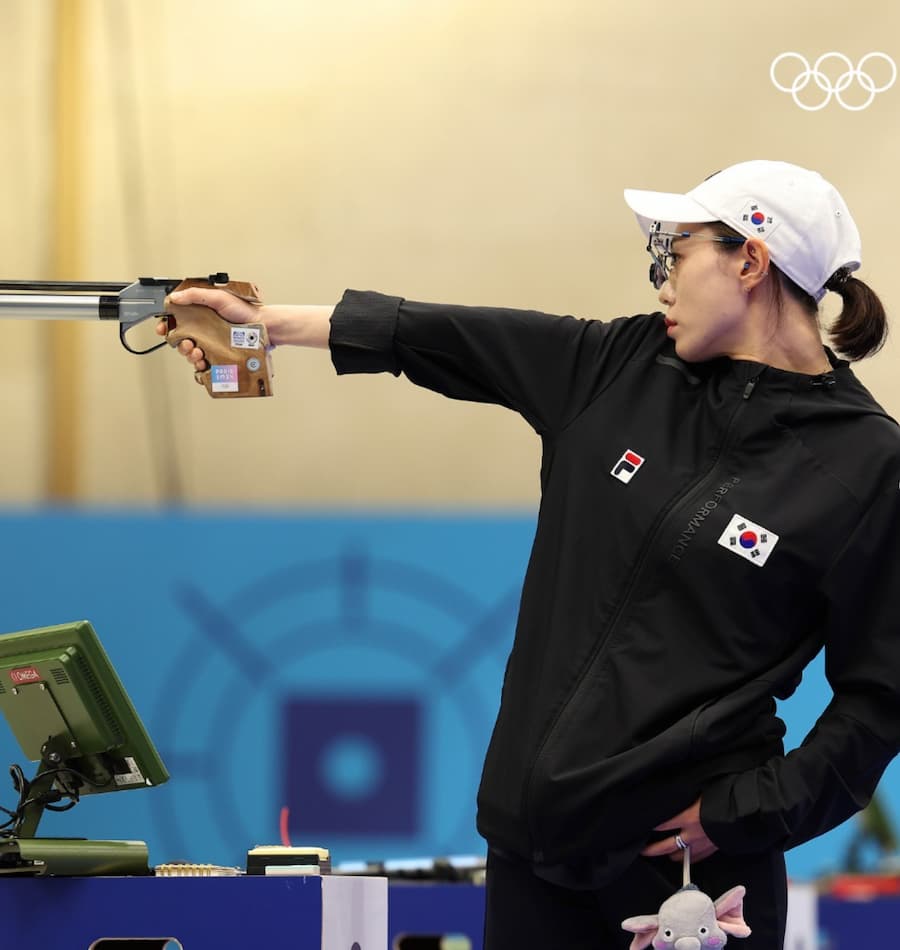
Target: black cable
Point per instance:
(66, 807)
(10, 828)
(70, 771)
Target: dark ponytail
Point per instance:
(861, 328)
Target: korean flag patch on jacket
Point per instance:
(748, 540)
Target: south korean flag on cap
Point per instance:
(748, 540)
(756, 217)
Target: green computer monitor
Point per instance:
(69, 712)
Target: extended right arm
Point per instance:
(547, 368)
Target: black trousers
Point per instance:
(523, 911)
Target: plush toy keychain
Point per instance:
(689, 920)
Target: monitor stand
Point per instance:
(23, 853)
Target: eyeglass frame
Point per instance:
(661, 266)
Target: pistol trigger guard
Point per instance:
(123, 330)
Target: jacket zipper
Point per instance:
(632, 581)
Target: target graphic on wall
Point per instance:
(357, 692)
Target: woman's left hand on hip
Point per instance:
(686, 832)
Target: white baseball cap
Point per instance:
(801, 217)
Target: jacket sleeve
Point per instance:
(547, 368)
(833, 774)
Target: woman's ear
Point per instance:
(754, 259)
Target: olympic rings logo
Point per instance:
(837, 87)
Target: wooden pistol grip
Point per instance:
(236, 353)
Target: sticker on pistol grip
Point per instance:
(245, 338)
(225, 379)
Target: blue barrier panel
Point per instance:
(228, 914)
(852, 925)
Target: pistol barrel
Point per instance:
(50, 306)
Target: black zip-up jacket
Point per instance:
(651, 638)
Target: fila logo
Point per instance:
(750, 541)
(626, 468)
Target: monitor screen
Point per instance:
(69, 711)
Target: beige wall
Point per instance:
(473, 151)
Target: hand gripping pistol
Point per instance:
(237, 355)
